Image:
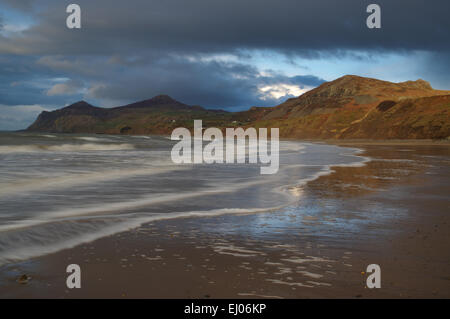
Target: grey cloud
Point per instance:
(111, 81)
(19, 4)
(299, 27)
(211, 84)
(25, 82)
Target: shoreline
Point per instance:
(346, 142)
(284, 190)
(362, 141)
(172, 236)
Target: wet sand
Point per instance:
(395, 212)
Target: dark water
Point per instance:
(57, 191)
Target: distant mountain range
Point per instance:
(349, 107)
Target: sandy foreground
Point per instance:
(394, 212)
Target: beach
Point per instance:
(225, 158)
(391, 211)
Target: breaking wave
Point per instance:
(43, 225)
(6, 149)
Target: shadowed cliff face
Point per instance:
(349, 107)
(159, 115)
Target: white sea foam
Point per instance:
(33, 250)
(66, 181)
(98, 210)
(6, 149)
(310, 274)
(286, 190)
(291, 146)
(91, 139)
(107, 212)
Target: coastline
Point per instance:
(302, 251)
(365, 142)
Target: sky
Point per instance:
(230, 54)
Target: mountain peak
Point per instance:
(349, 86)
(350, 80)
(345, 86)
(158, 100)
(79, 105)
(164, 99)
(349, 77)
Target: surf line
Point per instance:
(235, 146)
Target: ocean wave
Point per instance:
(41, 241)
(7, 149)
(290, 191)
(91, 139)
(98, 210)
(69, 227)
(65, 181)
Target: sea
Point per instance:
(61, 190)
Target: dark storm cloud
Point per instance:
(19, 4)
(301, 27)
(59, 80)
(211, 84)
